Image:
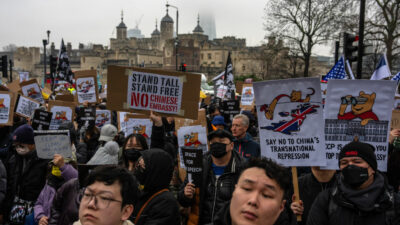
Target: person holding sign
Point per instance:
(259, 194)
(26, 176)
(360, 194)
(244, 143)
(221, 169)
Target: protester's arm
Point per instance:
(157, 132)
(81, 153)
(38, 208)
(68, 172)
(318, 214)
(56, 208)
(183, 198)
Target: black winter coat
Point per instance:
(214, 193)
(3, 183)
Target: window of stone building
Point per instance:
(151, 62)
(220, 62)
(209, 55)
(91, 68)
(243, 68)
(131, 61)
(201, 56)
(83, 59)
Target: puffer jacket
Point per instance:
(247, 147)
(214, 192)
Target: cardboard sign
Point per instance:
(247, 98)
(87, 117)
(66, 97)
(7, 105)
(23, 76)
(50, 142)
(103, 117)
(239, 86)
(230, 108)
(32, 90)
(62, 111)
(26, 106)
(193, 137)
(86, 86)
(41, 120)
(361, 108)
(290, 120)
(193, 162)
(144, 90)
(14, 86)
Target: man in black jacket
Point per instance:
(361, 194)
(221, 169)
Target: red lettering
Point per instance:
(144, 98)
(135, 99)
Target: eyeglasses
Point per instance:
(101, 202)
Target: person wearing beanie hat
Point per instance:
(218, 122)
(359, 194)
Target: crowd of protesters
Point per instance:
(114, 178)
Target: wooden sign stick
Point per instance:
(296, 188)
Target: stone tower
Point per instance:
(121, 29)
(156, 32)
(198, 29)
(167, 29)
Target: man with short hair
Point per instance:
(244, 143)
(221, 168)
(360, 195)
(108, 198)
(258, 198)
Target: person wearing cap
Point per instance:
(218, 122)
(244, 143)
(360, 195)
(221, 169)
(107, 154)
(26, 176)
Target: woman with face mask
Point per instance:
(131, 150)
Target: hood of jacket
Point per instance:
(108, 154)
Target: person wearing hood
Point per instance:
(156, 204)
(26, 176)
(244, 143)
(361, 194)
(108, 152)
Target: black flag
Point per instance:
(229, 79)
(64, 71)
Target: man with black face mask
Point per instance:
(221, 169)
(361, 194)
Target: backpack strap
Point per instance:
(147, 202)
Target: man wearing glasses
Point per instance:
(108, 198)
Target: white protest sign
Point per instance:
(103, 117)
(33, 91)
(290, 118)
(192, 137)
(221, 91)
(247, 96)
(5, 101)
(361, 108)
(23, 76)
(50, 142)
(86, 89)
(159, 93)
(60, 114)
(26, 106)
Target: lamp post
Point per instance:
(45, 43)
(176, 39)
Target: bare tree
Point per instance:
(305, 22)
(273, 56)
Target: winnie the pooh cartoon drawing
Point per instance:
(361, 107)
(192, 139)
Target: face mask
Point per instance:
(218, 150)
(132, 154)
(355, 176)
(22, 150)
(140, 175)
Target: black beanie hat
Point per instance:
(362, 150)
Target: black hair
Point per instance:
(110, 174)
(212, 108)
(139, 138)
(273, 170)
(220, 133)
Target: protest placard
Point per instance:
(26, 106)
(65, 97)
(7, 105)
(358, 108)
(131, 123)
(143, 90)
(50, 142)
(193, 163)
(103, 117)
(194, 137)
(239, 86)
(41, 120)
(247, 98)
(32, 90)
(87, 117)
(23, 76)
(14, 86)
(230, 108)
(290, 119)
(86, 86)
(62, 111)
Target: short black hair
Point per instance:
(273, 170)
(220, 133)
(139, 138)
(110, 174)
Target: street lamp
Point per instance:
(176, 39)
(45, 42)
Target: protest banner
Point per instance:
(290, 119)
(50, 142)
(358, 108)
(7, 105)
(247, 99)
(131, 123)
(221, 91)
(87, 117)
(86, 86)
(41, 120)
(103, 117)
(230, 108)
(32, 90)
(62, 111)
(193, 163)
(23, 76)
(26, 106)
(143, 90)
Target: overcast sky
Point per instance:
(25, 22)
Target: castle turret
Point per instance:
(121, 29)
